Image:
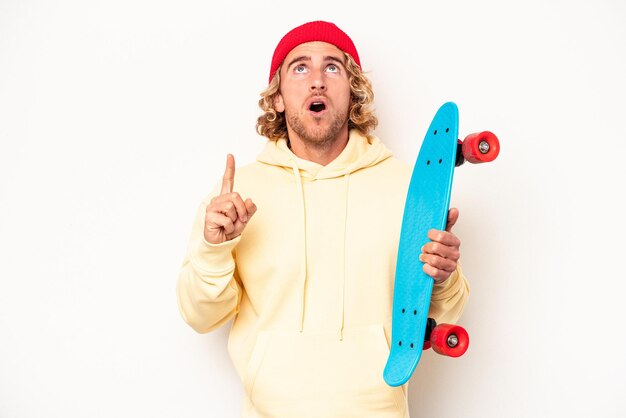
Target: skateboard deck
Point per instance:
(426, 207)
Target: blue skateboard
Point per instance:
(426, 207)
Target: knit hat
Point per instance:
(309, 32)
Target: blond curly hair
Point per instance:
(272, 124)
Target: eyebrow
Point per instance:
(308, 58)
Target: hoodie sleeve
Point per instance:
(207, 289)
(448, 299)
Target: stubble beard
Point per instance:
(316, 136)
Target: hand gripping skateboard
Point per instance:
(426, 207)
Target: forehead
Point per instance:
(311, 49)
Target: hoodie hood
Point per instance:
(360, 152)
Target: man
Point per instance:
(303, 254)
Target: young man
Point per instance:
(303, 253)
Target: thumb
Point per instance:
(250, 207)
(453, 216)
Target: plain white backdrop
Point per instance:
(115, 119)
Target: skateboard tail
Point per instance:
(402, 363)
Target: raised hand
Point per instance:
(228, 214)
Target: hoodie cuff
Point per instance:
(215, 258)
(451, 286)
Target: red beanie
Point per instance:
(309, 32)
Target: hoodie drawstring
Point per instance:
(342, 283)
(300, 187)
(342, 269)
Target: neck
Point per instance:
(322, 153)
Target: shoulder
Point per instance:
(396, 164)
(395, 168)
(253, 173)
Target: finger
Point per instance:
(440, 250)
(439, 263)
(226, 208)
(229, 175)
(444, 237)
(217, 220)
(453, 216)
(251, 207)
(235, 199)
(240, 206)
(241, 225)
(439, 276)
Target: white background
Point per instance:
(115, 119)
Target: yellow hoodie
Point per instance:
(310, 283)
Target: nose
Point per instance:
(317, 81)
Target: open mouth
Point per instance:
(317, 107)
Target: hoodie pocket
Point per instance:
(316, 374)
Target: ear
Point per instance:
(279, 105)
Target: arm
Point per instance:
(448, 299)
(208, 294)
(208, 290)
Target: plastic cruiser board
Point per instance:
(426, 207)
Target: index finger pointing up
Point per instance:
(229, 175)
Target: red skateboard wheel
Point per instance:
(481, 147)
(449, 340)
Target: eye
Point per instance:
(332, 68)
(300, 69)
